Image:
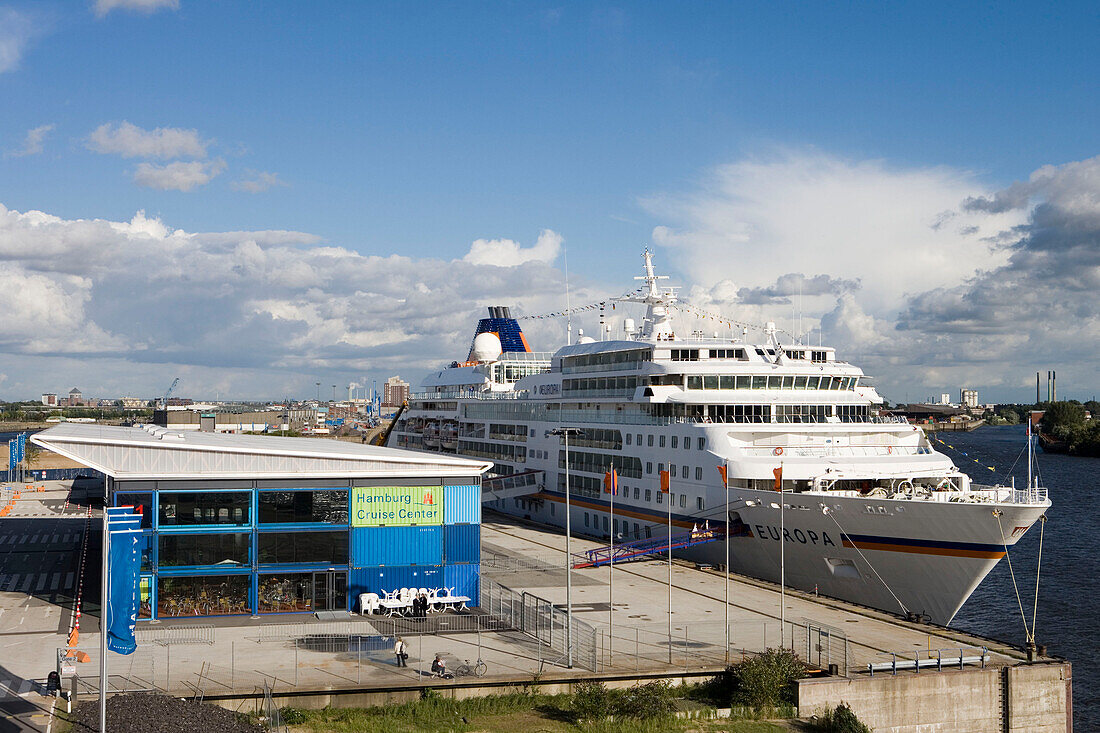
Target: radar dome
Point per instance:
(486, 347)
(586, 340)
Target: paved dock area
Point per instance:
(39, 549)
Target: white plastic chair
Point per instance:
(368, 603)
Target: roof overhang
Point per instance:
(152, 452)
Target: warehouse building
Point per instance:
(254, 525)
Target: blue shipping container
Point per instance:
(379, 580)
(461, 543)
(465, 580)
(462, 504)
(372, 546)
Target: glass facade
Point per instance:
(286, 593)
(205, 595)
(193, 508)
(303, 547)
(178, 550)
(286, 507)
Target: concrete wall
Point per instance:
(992, 700)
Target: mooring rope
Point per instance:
(997, 513)
(1038, 567)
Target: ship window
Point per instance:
(836, 383)
(683, 500)
(699, 503)
(628, 438)
(552, 507)
(639, 438)
(774, 382)
(649, 467)
(648, 534)
(637, 492)
(648, 494)
(788, 382)
(819, 356)
(687, 443)
(660, 497)
(743, 382)
(702, 443)
(759, 382)
(811, 382)
(605, 524)
(725, 382)
(710, 381)
(800, 383)
(684, 472)
(662, 441)
(698, 473)
(674, 439)
(650, 441)
(694, 382)
(586, 519)
(637, 530)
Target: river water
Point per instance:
(1069, 582)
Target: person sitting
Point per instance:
(439, 666)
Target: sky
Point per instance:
(256, 197)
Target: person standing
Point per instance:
(401, 650)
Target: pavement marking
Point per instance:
(12, 581)
(56, 581)
(27, 584)
(42, 582)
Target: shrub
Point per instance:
(646, 702)
(766, 680)
(841, 719)
(293, 716)
(591, 700)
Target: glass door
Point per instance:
(321, 591)
(330, 591)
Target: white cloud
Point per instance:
(818, 214)
(256, 313)
(32, 144)
(178, 176)
(131, 141)
(257, 182)
(509, 253)
(16, 32)
(102, 7)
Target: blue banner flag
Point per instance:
(13, 446)
(22, 446)
(124, 572)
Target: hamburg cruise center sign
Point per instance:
(396, 506)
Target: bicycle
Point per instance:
(477, 670)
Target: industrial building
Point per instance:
(254, 525)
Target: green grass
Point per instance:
(516, 713)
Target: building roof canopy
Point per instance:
(153, 452)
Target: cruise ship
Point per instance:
(786, 435)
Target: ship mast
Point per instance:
(656, 325)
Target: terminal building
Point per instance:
(254, 525)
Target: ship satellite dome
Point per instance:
(486, 347)
(586, 340)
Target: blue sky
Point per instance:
(417, 129)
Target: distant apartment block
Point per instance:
(395, 392)
(49, 399)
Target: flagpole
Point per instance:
(669, 497)
(611, 572)
(782, 564)
(726, 483)
(104, 588)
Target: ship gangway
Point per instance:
(645, 549)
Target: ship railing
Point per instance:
(1011, 495)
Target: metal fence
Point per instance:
(544, 623)
(184, 634)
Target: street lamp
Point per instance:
(565, 433)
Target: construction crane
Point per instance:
(169, 391)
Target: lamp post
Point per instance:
(564, 433)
